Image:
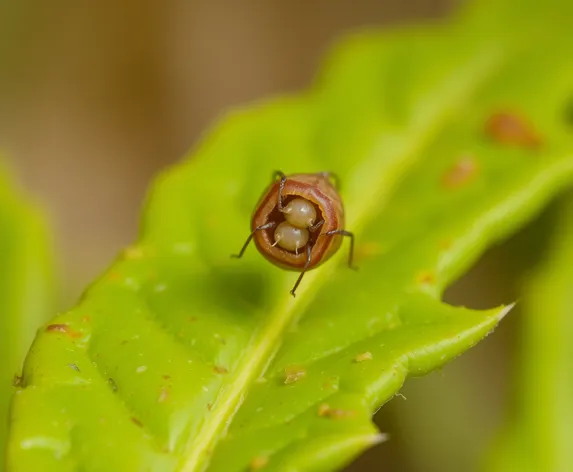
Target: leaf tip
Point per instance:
(505, 310)
(378, 438)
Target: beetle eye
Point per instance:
(290, 238)
(300, 213)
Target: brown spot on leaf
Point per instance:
(209, 406)
(136, 421)
(325, 411)
(293, 374)
(58, 328)
(166, 377)
(511, 129)
(86, 319)
(18, 381)
(426, 277)
(461, 173)
(220, 369)
(65, 329)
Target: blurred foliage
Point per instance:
(25, 287)
(538, 435)
(176, 359)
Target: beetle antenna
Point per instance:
(306, 264)
(248, 241)
(282, 183)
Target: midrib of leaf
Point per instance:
(378, 175)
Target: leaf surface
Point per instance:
(26, 288)
(181, 354)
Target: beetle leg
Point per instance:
(332, 176)
(282, 183)
(313, 228)
(247, 242)
(351, 236)
(306, 264)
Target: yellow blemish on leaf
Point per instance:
(133, 253)
(258, 462)
(325, 411)
(364, 356)
(294, 374)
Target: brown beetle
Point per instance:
(298, 223)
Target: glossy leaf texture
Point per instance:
(182, 359)
(26, 287)
(537, 435)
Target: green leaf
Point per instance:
(176, 358)
(537, 437)
(25, 288)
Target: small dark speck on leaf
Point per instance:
(112, 384)
(136, 421)
(220, 369)
(166, 377)
(75, 367)
(18, 381)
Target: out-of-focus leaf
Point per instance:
(175, 359)
(25, 288)
(538, 435)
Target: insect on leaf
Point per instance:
(188, 360)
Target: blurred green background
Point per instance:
(96, 97)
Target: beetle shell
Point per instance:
(317, 189)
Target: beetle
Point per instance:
(298, 223)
